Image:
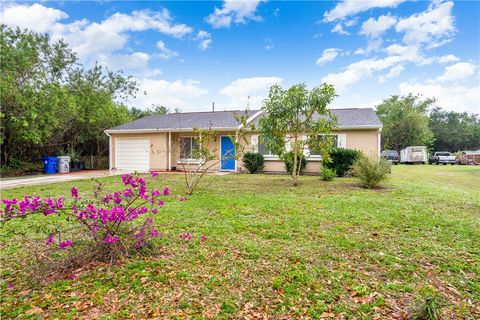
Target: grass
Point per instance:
(323, 249)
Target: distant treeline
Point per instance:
(411, 121)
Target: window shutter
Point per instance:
(254, 143)
(342, 140)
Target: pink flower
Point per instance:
(72, 276)
(65, 244)
(110, 239)
(10, 286)
(154, 233)
(160, 203)
(186, 236)
(74, 192)
(49, 239)
(155, 193)
(153, 174)
(204, 238)
(183, 198)
(154, 210)
(166, 191)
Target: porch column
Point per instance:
(169, 150)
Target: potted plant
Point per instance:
(75, 163)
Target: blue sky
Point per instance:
(188, 54)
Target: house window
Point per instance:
(188, 148)
(314, 151)
(263, 150)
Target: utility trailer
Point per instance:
(417, 154)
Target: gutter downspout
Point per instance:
(109, 151)
(169, 150)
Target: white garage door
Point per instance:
(132, 154)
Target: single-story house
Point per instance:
(165, 142)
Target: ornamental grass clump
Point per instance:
(105, 227)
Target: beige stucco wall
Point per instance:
(363, 140)
(158, 148)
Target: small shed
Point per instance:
(469, 157)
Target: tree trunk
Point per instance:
(294, 169)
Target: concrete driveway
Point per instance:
(9, 183)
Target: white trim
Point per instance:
(166, 130)
(268, 157)
(110, 144)
(361, 127)
(229, 170)
(253, 117)
(169, 151)
(189, 161)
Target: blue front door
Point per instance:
(228, 154)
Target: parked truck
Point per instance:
(443, 157)
(417, 154)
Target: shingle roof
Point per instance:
(352, 117)
(187, 120)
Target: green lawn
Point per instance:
(325, 249)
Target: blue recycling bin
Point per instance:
(49, 165)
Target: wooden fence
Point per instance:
(95, 162)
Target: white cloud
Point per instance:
(232, 11)
(394, 72)
(165, 53)
(356, 71)
(34, 17)
(179, 93)
(457, 71)
(374, 28)
(124, 61)
(204, 38)
(328, 55)
(448, 58)
(347, 8)
(256, 88)
(339, 29)
(433, 27)
(94, 40)
(454, 98)
(373, 45)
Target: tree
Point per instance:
(293, 120)
(454, 131)
(33, 70)
(49, 101)
(137, 113)
(405, 121)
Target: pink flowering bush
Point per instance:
(104, 227)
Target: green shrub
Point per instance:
(342, 160)
(288, 160)
(371, 172)
(327, 174)
(253, 161)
